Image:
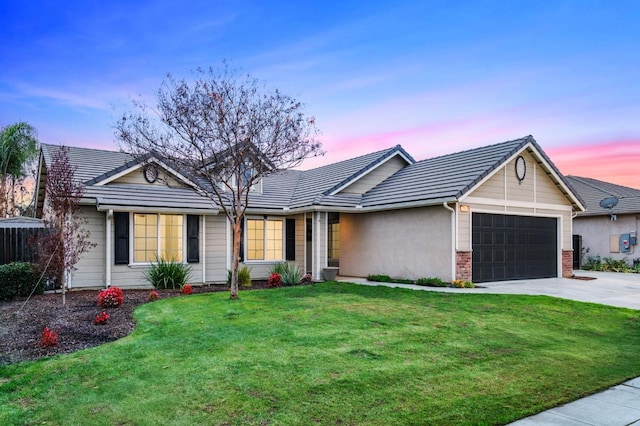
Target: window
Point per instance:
(264, 239)
(157, 236)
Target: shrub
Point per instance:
(186, 289)
(277, 268)
(431, 282)
(101, 318)
(275, 280)
(244, 276)
(110, 298)
(167, 274)
(49, 337)
(19, 279)
(153, 295)
(380, 278)
(462, 284)
(306, 278)
(291, 273)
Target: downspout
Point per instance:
(454, 241)
(108, 249)
(204, 247)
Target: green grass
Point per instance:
(333, 353)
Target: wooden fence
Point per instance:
(17, 244)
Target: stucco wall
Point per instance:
(596, 231)
(410, 243)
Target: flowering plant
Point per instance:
(275, 280)
(101, 318)
(462, 284)
(49, 338)
(153, 295)
(186, 289)
(110, 298)
(306, 278)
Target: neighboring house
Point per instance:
(604, 232)
(494, 213)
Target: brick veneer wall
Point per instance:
(567, 263)
(463, 265)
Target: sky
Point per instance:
(436, 77)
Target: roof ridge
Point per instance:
(526, 139)
(591, 183)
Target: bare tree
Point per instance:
(59, 250)
(226, 131)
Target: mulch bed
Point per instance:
(22, 321)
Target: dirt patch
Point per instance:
(21, 324)
(575, 277)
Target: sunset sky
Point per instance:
(434, 76)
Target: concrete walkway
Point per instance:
(617, 406)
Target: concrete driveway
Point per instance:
(607, 288)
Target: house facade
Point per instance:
(498, 212)
(603, 231)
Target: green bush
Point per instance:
(166, 274)
(431, 282)
(19, 279)
(291, 274)
(380, 278)
(244, 276)
(608, 264)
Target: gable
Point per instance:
(136, 176)
(540, 186)
(375, 176)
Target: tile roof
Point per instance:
(90, 162)
(431, 181)
(593, 191)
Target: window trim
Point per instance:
(245, 239)
(132, 237)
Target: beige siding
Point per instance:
(137, 177)
(375, 176)
(379, 243)
(91, 266)
(536, 195)
(216, 248)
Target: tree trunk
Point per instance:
(236, 260)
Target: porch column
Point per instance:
(108, 249)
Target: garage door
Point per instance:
(509, 247)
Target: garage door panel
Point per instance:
(509, 247)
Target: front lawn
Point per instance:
(333, 354)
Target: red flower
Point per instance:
(153, 295)
(49, 338)
(186, 289)
(110, 298)
(101, 318)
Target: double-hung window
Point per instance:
(265, 239)
(158, 236)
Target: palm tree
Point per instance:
(18, 147)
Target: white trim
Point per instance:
(518, 204)
(119, 175)
(454, 242)
(203, 257)
(229, 243)
(540, 159)
(109, 216)
(132, 237)
(501, 212)
(264, 219)
(366, 172)
(166, 168)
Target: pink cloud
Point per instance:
(612, 161)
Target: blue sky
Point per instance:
(434, 76)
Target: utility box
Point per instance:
(625, 244)
(633, 239)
